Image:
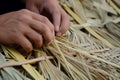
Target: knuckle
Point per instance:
(44, 19)
(56, 11)
(45, 28)
(25, 11)
(22, 17)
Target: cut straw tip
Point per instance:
(57, 28)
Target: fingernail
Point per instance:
(53, 33)
(57, 28)
(58, 34)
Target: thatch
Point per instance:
(90, 49)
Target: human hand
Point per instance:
(52, 10)
(26, 29)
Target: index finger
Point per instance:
(65, 23)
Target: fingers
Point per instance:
(38, 29)
(40, 18)
(42, 29)
(44, 20)
(56, 19)
(34, 37)
(24, 42)
(65, 23)
(60, 20)
(40, 24)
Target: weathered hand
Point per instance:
(26, 29)
(52, 10)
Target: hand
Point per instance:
(26, 29)
(52, 10)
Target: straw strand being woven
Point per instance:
(90, 49)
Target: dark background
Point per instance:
(10, 5)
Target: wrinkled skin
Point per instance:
(52, 10)
(35, 26)
(25, 28)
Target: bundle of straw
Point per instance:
(90, 49)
